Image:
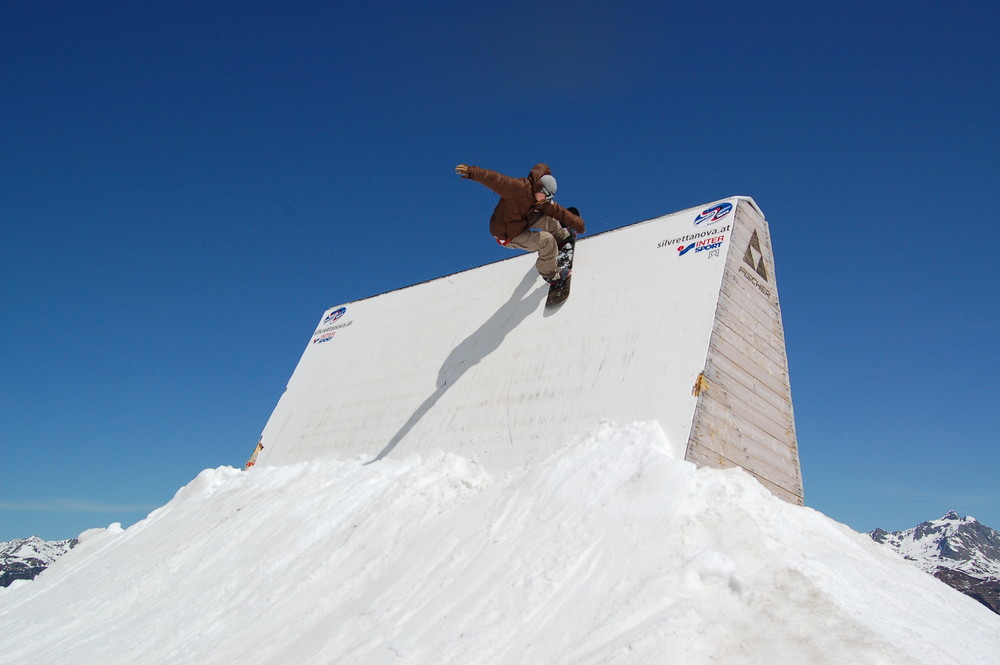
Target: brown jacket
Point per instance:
(517, 205)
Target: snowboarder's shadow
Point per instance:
(474, 348)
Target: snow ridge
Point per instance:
(612, 550)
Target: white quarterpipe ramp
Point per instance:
(674, 320)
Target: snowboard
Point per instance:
(559, 291)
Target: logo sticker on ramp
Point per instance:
(710, 245)
(754, 257)
(326, 332)
(334, 315)
(713, 214)
(710, 237)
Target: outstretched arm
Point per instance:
(503, 185)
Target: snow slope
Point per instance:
(612, 550)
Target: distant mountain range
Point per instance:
(959, 551)
(24, 559)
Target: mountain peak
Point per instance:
(958, 550)
(953, 516)
(25, 558)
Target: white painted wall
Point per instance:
(473, 363)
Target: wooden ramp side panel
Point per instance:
(744, 415)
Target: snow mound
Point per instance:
(613, 550)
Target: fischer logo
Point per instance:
(713, 214)
(754, 259)
(334, 315)
(756, 282)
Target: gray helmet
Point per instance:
(549, 186)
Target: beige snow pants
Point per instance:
(542, 241)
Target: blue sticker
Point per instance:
(714, 214)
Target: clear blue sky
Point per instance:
(185, 186)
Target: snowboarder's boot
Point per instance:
(560, 277)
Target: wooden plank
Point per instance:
(729, 432)
(705, 456)
(786, 487)
(762, 355)
(724, 362)
(760, 320)
(744, 442)
(773, 420)
(748, 406)
(727, 327)
(785, 474)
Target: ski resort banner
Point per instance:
(673, 320)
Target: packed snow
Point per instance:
(613, 550)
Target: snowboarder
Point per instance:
(527, 217)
